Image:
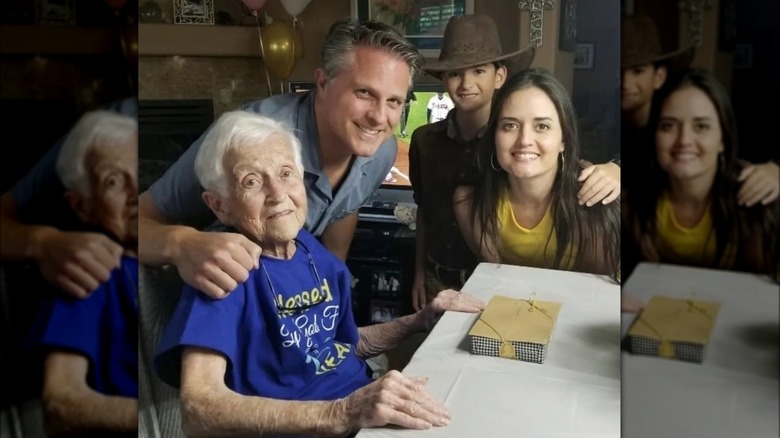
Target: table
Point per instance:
(574, 393)
(734, 392)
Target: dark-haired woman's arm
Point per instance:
(472, 232)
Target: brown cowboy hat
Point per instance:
(639, 44)
(472, 40)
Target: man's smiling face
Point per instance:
(363, 102)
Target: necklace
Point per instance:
(284, 310)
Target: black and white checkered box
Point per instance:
(685, 351)
(673, 328)
(513, 328)
(525, 351)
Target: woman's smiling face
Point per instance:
(529, 136)
(688, 137)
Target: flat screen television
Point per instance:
(396, 189)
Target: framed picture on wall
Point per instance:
(193, 11)
(55, 12)
(568, 26)
(583, 56)
(420, 21)
(386, 282)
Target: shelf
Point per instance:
(198, 40)
(56, 40)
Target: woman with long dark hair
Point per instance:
(524, 208)
(686, 211)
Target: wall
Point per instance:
(50, 75)
(759, 81)
(232, 81)
(596, 91)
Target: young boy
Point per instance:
(472, 66)
(644, 68)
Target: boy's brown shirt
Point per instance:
(440, 160)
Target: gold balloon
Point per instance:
(281, 45)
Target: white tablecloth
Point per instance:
(734, 392)
(574, 393)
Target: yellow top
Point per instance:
(528, 246)
(689, 246)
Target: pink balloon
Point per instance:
(254, 5)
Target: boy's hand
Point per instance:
(760, 183)
(601, 184)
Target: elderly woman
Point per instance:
(281, 354)
(90, 345)
(687, 211)
(524, 209)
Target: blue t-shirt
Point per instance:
(303, 354)
(177, 194)
(39, 196)
(102, 327)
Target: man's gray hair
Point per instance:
(95, 129)
(231, 130)
(344, 36)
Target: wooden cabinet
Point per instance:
(381, 261)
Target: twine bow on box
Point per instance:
(507, 350)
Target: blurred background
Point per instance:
(739, 42)
(58, 59)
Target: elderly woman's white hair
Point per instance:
(94, 130)
(233, 129)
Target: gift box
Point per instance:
(673, 328)
(517, 329)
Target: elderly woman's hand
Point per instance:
(630, 303)
(448, 299)
(215, 263)
(393, 399)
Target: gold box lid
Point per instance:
(676, 320)
(517, 320)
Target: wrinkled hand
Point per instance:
(760, 183)
(630, 303)
(78, 263)
(419, 298)
(601, 184)
(215, 263)
(448, 299)
(394, 399)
